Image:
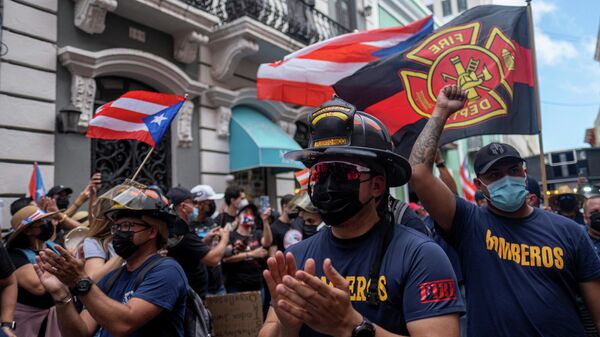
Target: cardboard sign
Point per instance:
(236, 315)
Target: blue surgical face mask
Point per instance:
(193, 216)
(508, 193)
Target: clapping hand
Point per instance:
(305, 298)
(280, 267)
(67, 268)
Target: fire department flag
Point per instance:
(486, 51)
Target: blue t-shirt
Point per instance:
(596, 243)
(522, 275)
(416, 279)
(449, 250)
(165, 285)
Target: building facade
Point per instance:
(66, 56)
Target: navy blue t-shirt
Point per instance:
(452, 255)
(596, 243)
(416, 279)
(165, 285)
(522, 275)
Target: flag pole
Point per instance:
(538, 107)
(139, 169)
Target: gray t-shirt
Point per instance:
(93, 248)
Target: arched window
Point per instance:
(118, 159)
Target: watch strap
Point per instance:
(11, 325)
(83, 286)
(364, 329)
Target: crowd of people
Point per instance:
(340, 258)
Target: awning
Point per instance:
(255, 141)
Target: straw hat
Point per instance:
(82, 218)
(24, 218)
(564, 190)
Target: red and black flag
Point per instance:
(486, 51)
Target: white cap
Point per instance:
(205, 192)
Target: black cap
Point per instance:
(59, 188)
(491, 154)
(534, 187)
(177, 195)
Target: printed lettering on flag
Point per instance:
(486, 51)
(306, 76)
(468, 186)
(141, 115)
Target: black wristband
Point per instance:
(440, 164)
(11, 325)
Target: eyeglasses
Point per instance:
(126, 226)
(339, 171)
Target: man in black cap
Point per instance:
(522, 266)
(535, 196)
(388, 279)
(192, 252)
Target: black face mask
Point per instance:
(308, 231)
(212, 207)
(337, 201)
(46, 231)
(595, 221)
(123, 244)
(567, 203)
(62, 202)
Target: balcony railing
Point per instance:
(294, 18)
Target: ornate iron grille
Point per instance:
(296, 18)
(118, 159)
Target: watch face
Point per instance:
(366, 329)
(84, 285)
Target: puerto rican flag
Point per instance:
(302, 177)
(465, 180)
(306, 76)
(36, 184)
(141, 115)
(33, 217)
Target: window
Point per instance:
(462, 5)
(342, 13)
(446, 8)
(254, 182)
(302, 134)
(430, 7)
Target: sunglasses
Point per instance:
(339, 171)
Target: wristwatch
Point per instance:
(11, 325)
(364, 329)
(83, 286)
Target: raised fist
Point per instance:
(450, 99)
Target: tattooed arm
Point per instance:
(435, 196)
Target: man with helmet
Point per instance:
(121, 304)
(388, 279)
(522, 266)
